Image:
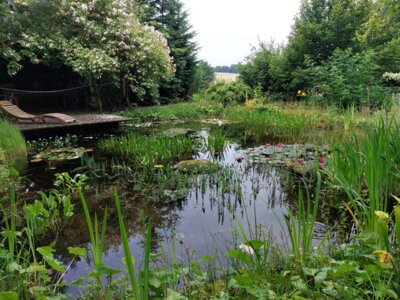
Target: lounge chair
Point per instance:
(15, 113)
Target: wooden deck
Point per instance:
(84, 123)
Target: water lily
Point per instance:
(239, 158)
(322, 159)
(246, 249)
(321, 165)
(280, 145)
(267, 145)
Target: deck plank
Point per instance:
(81, 121)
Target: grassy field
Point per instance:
(226, 76)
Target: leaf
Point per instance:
(243, 280)
(239, 255)
(77, 251)
(46, 250)
(155, 282)
(8, 296)
(256, 244)
(47, 253)
(299, 284)
(320, 278)
(309, 271)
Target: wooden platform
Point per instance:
(85, 123)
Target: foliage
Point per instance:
(349, 79)
(228, 92)
(170, 18)
(99, 40)
(149, 151)
(255, 72)
(366, 169)
(203, 77)
(12, 145)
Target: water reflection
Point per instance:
(204, 219)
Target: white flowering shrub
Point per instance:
(95, 38)
(392, 77)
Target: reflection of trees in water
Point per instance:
(134, 207)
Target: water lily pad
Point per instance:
(60, 155)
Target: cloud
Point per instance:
(228, 28)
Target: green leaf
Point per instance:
(8, 296)
(320, 278)
(46, 250)
(78, 251)
(155, 282)
(243, 280)
(255, 244)
(47, 253)
(309, 271)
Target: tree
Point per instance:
(169, 17)
(101, 40)
(203, 76)
(381, 32)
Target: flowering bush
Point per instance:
(95, 38)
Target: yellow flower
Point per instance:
(384, 257)
(158, 166)
(382, 216)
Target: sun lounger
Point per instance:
(14, 112)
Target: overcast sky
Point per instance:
(226, 29)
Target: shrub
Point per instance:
(229, 92)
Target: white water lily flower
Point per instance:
(246, 249)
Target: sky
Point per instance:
(227, 29)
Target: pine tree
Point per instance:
(170, 18)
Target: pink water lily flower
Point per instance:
(322, 160)
(280, 145)
(321, 165)
(267, 145)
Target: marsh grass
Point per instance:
(13, 146)
(149, 151)
(366, 169)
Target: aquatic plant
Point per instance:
(365, 168)
(215, 142)
(147, 151)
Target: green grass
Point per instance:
(148, 151)
(13, 146)
(366, 169)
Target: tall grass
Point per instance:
(300, 226)
(366, 169)
(13, 145)
(149, 150)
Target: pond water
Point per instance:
(203, 218)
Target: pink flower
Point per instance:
(322, 160)
(321, 165)
(280, 145)
(239, 158)
(300, 161)
(267, 145)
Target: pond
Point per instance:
(251, 184)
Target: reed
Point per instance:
(365, 168)
(149, 150)
(13, 145)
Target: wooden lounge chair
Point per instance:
(15, 113)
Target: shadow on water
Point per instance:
(203, 217)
